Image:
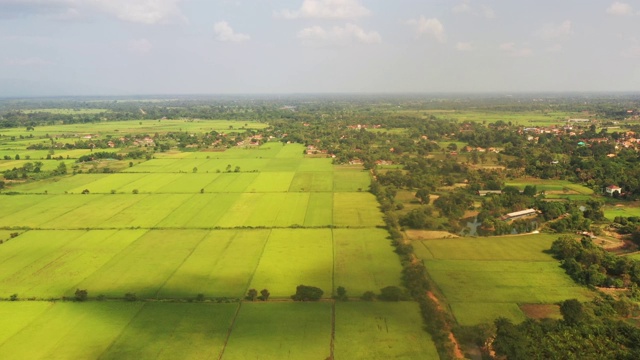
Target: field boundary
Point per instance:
(233, 322)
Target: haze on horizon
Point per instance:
(128, 47)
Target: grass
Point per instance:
(293, 257)
(281, 331)
(282, 220)
(356, 210)
(114, 330)
(377, 330)
(496, 274)
(563, 187)
(364, 260)
(625, 210)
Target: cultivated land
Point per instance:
(485, 278)
(162, 231)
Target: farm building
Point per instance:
(519, 214)
(612, 189)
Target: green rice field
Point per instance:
(167, 232)
(515, 269)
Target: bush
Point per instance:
(81, 295)
(368, 296)
(307, 293)
(392, 293)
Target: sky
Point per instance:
(134, 47)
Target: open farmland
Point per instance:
(515, 268)
(164, 230)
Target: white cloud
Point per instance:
(30, 61)
(338, 35)
(464, 7)
(139, 46)
(137, 11)
(487, 12)
(464, 46)
(327, 9)
(631, 52)
(556, 32)
(432, 27)
(515, 51)
(141, 11)
(554, 49)
(224, 32)
(620, 9)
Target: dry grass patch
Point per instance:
(428, 234)
(541, 311)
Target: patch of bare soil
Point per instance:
(541, 311)
(457, 352)
(428, 235)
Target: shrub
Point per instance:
(307, 293)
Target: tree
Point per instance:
(81, 294)
(130, 297)
(85, 191)
(264, 295)
(200, 297)
(252, 294)
(368, 296)
(307, 293)
(195, 169)
(392, 293)
(572, 312)
(61, 169)
(423, 195)
(341, 293)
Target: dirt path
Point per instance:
(457, 352)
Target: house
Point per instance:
(612, 189)
(519, 214)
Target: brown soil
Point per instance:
(428, 235)
(457, 352)
(541, 311)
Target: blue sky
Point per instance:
(127, 47)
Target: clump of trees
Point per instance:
(586, 331)
(307, 293)
(590, 264)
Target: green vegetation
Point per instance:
(495, 275)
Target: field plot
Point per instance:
(231, 182)
(350, 180)
(43, 208)
(624, 210)
(221, 265)
(281, 331)
(291, 151)
(145, 265)
(356, 210)
(315, 164)
(113, 330)
(68, 183)
(271, 182)
(376, 330)
(174, 331)
(364, 260)
(320, 210)
(553, 187)
(312, 181)
(513, 267)
(293, 257)
(56, 331)
(51, 263)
